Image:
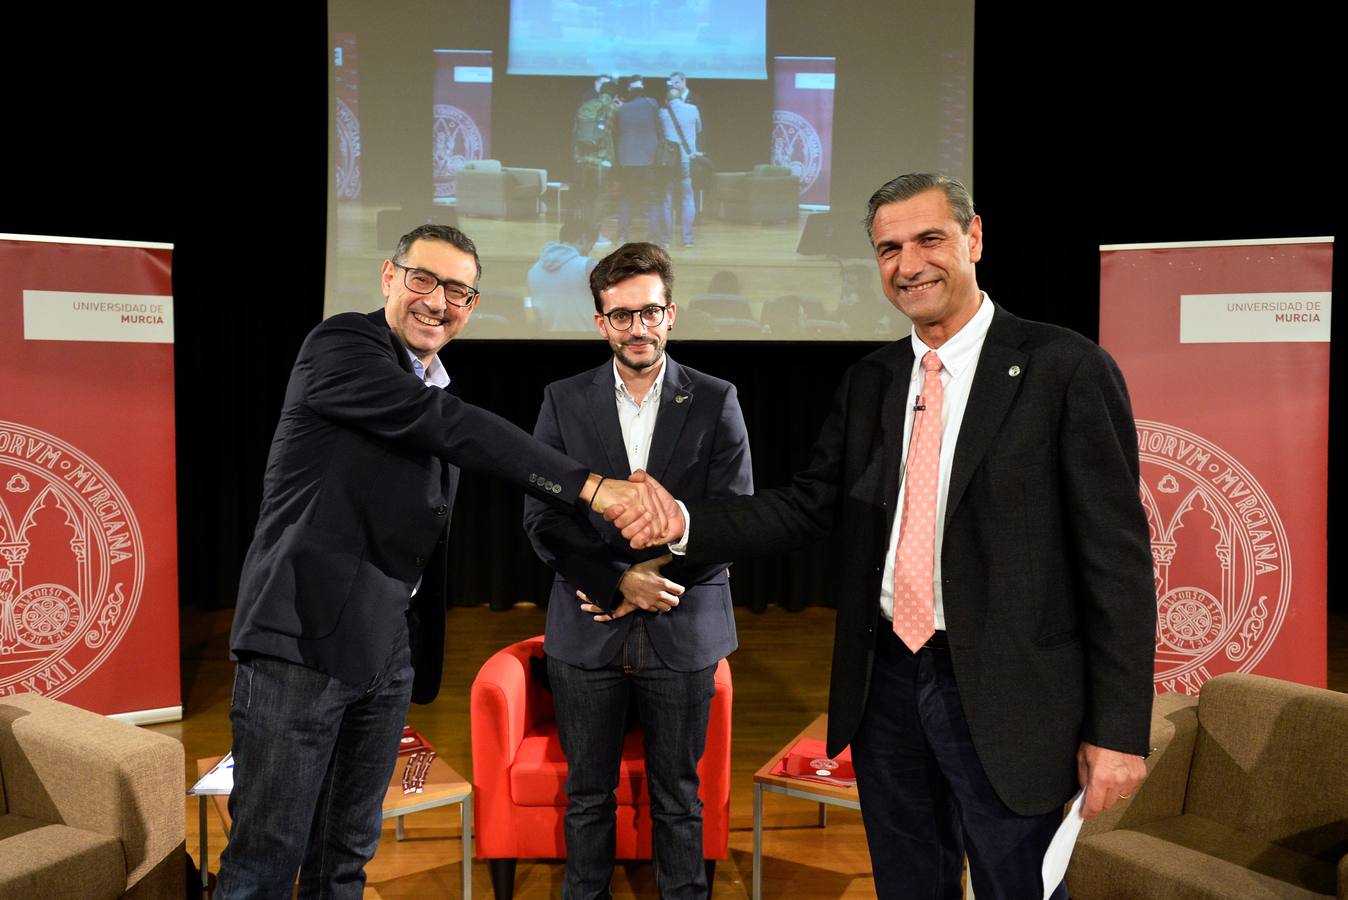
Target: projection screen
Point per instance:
(482, 116)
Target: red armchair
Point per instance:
(519, 772)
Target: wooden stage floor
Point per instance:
(781, 684)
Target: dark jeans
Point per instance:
(590, 196)
(591, 709)
(638, 187)
(925, 799)
(312, 761)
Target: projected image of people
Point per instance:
(594, 155)
(567, 127)
(559, 282)
(681, 124)
(643, 158)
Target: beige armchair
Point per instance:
(767, 194)
(89, 807)
(1246, 796)
(487, 188)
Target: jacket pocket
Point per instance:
(311, 576)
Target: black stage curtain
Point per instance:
(1151, 124)
(785, 391)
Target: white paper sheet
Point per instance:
(219, 780)
(1059, 852)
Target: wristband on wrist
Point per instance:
(596, 491)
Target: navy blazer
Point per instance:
(356, 505)
(1046, 562)
(700, 449)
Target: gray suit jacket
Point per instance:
(700, 449)
(636, 128)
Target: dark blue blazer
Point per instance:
(356, 505)
(700, 450)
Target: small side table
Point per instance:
(443, 787)
(823, 794)
(556, 188)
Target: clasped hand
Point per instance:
(648, 518)
(642, 587)
(635, 500)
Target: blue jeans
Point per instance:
(312, 762)
(637, 186)
(591, 707)
(925, 799)
(682, 184)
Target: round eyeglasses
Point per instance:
(422, 282)
(651, 316)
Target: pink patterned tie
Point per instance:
(914, 617)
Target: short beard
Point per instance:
(639, 365)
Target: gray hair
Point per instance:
(905, 187)
(431, 232)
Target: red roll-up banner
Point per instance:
(461, 118)
(802, 122)
(1225, 346)
(88, 523)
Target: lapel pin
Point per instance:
(679, 398)
(1013, 371)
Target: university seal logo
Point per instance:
(1220, 558)
(796, 144)
(348, 148)
(72, 563)
(456, 140)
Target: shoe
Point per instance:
(688, 243)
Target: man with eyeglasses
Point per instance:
(646, 628)
(341, 609)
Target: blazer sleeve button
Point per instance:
(421, 562)
(441, 509)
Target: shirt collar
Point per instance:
(434, 375)
(653, 394)
(961, 351)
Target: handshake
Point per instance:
(641, 508)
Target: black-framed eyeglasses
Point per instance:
(422, 282)
(651, 316)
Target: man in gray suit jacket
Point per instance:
(1016, 663)
(654, 635)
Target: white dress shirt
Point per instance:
(959, 359)
(637, 419)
